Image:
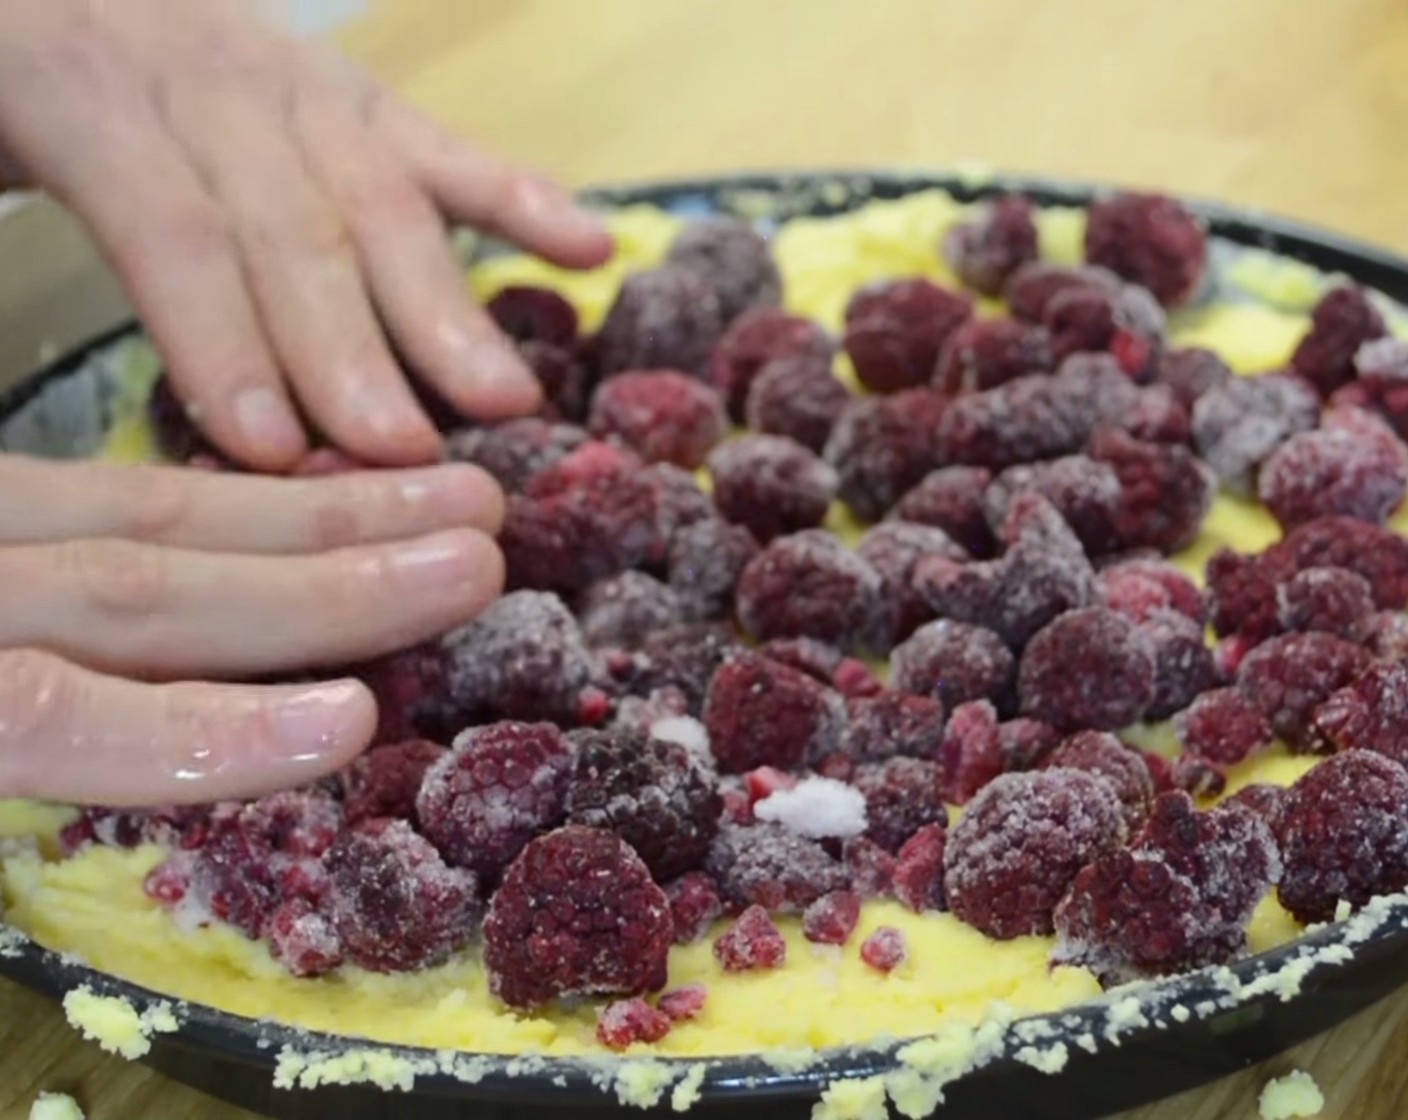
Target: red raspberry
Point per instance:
(685, 658)
(169, 882)
(1019, 844)
(1222, 725)
(733, 259)
(1021, 421)
(661, 415)
(767, 865)
(890, 724)
(1198, 777)
(629, 1021)
(623, 610)
(798, 397)
(683, 1004)
(393, 903)
(885, 949)
(1263, 799)
(1031, 288)
(1341, 323)
(893, 548)
(1369, 713)
(1287, 677)
(751, 942)
(303, 940)
(1242, 592)
(810, 585)
(955, 662)
(871, 868)
(1149, 239)
(895, 330)
(531, 314)
(1385, 634)
(679, 503)
(1382, 382)
(970, 754)
(755, 339)
(666, 318)
(759, 712)
(817, 659)
(1190, 372)
(1335, 471)
(1126, 323)
(1343, 832)
(951, 499)
(577, 914)
(1138, 588)
(917, 877)
(172, 826)
(854, 678)
(565, 376)
(1088, 668)
(292, 823)
(1237, 425)
(1333, 600)
(384, 781)
(882, 446)
(654, 794)
(412, 694)
(762, 782)
(985, 353)
(1085, 493)
(1167, 491)
(1158, 416)
(771, 484)
(902, 795)
(831, 919)
(1378, 554)
(1099, 752)
(985, 252)
(706, 559)
(695, 906)
(1025, 742)
(499, 787)
(234, 877)
(1183, 663)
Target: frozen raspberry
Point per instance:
(392, 902)
(871, 869)
(384, 782)
(531, 314)
(1242, 592)
(184, 827)
(666, 318)
(1126, 323)
(885, 949)
(1160, 771)
(625, 609)
(753, 941)
(1166, 491)
(882, 446)
(854, 678)
(1099, 752)
(567, 378)
(951, 499)
(902, 795)
(1020, 843)
(893, 548)
(1238, 424)
(892, 723)
(577, 914)
(810, 585)
(797, 397)
(831, 919)
(1025, 742)
(817, 659)
(985, 252)
(1343, 833)
(1158, 416)
(499, 787)
(169, 882)
(1087, 494)
(654, 794)
(985, 353)
(1198, 777)
(1334, 471)
(895, 330)
(955, 662)
(661, 415)
(679, 503)
(1385, 634)
(1021, 421)
(1190, 372)
(683, 1004)
(685, 658)
(629, 1021)
(176, 434)
(1381, 384)
(764, 781)
(770, 866)
(1138, 588)
(1369, 713)
(706, 559)
(917, 878)
(1149, 239)
(294, 823)
(1376, 553)
(757, 338)
(970, 754)
(1088, 668)
(1090, 390)
(1222, 725)
(412, 694)
(1183, 663)
(1287, 677)
(1333, 600)
(303, 940)
(759, 712)
(1263, 799)
(1031, 288)
(733, 259)
(695, 906)
(516, 450)
(772, 485)
(1341, 323)
(234, 878)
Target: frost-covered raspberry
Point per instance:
(986, 251)
(629, 1021)
(772, 485)
(1222, 725)
(1139, 588)
(893, 548)
(1263, 799)
(1343, 834)
(1190, 372)
(1197, 776)
(1183, 663)
(985, 353)
(1126, 324)
(695, 906)
(1382, 382)
(883, 446)
(623, 610)
(1089, 668)
(917, 876)
(951, 499)
(654, 794)
(895, 330)
(892, 723)
(1033, 286)
(734, 259)
(753, 340)
(393, 903)
(955, 662)
(1086, 493)
(683, 658)
(970, 754)
(1287, 677)
(1099, 752)
(1341, 323)
(1020, 421)
(831, 919)
(1150, 239)
(1385, 634)
(500, 786)
(1026, 742)
(666, 318)
(769, 865)
(302, 939)
(885, 949)
(384, 782)
(1166, 491)
(577, 914)
(1334, 600)
(1370, 713)
(753, 941)
(1020, 844)
(1158, 416)
(761, 713)
(1355, 469)
(1238, 424)
(515, 450)
(902, 795)
(807, 655)
(661, 415)
(798, 397)
(1376, 553)
(527, 313)
(706, 559)
(683, 1003)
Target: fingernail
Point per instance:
(318, 721)
(449, 559)
(265, 420)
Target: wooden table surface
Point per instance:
(1294, 106)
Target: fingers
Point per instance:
(72, 735)
(156, 612)
(45, 501)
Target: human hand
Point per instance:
(119, 578)
(271, 209)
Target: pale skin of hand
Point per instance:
(279, 221)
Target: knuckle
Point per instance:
(39, 697)
(156, 504)
(114, 578)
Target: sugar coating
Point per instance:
(1291, 1097)
(817, 808)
